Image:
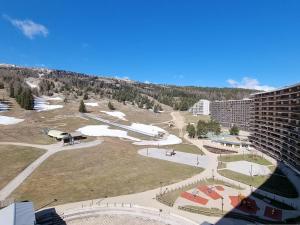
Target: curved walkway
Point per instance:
(51, 149)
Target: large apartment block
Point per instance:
(275, 124)
(232, 112)
(200, 108)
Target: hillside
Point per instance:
(78, 85)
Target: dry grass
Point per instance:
(111, 169)
(14, 159)
(67, 119)
(189, 118)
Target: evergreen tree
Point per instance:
(234, 130)
(111, 106)
(201, 129)
(191, 130)
(82, 108)
(85, 96)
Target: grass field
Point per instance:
(247, 157)
(189, 148)
(190, 118)
(13, 159)
(98, 172)
(277, 184)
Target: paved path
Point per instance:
(51, 149)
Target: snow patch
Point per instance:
(169, 140)
(116, 114)
(147, 128)
(31, 85)
(41, 104)
(3, 107)
(244, 167)
(6, 120)
(93, 104)
(103, 130)
(48, 98)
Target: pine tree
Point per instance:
(201, 129)
(111, 106)
(191, 130)
(82, 108)
(234, 130)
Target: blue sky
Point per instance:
(242, 43)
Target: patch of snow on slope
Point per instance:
(32, 85)
(6, 120)
(41, 104)
(52, 98)
(92, 104)
(147, 128)
(168, 140)
(3, 107)
(103, 130)
(116, 114)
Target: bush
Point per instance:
(111, 106)
(82, 108)
(234, 130)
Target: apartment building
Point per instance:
(200, 108)
(232, 112)
(275, 124)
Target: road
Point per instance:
(50, 150)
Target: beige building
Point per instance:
(275, 124)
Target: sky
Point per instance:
(232, 43)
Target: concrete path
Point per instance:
(50, 150)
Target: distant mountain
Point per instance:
(75, 85)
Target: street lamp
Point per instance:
(222, 204)
(160, 187)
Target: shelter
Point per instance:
(59, 135)
(18, 213)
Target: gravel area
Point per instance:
(115, 220)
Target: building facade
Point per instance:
(200, 108)
(232, 112)
(275, 124)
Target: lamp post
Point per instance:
(160, 187)
(222, 204)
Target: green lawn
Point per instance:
(276, 184)
(189, 148)
(247, 157)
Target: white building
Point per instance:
(18, 213)
(200, 108)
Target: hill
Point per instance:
(78, 85)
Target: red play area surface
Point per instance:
(209, 192)
(247, 205)
(219, 188)
(273, 213)
(194, 198)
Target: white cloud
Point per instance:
(147, 82)
(29, 28)
(249, 83)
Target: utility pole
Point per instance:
(222, 204)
